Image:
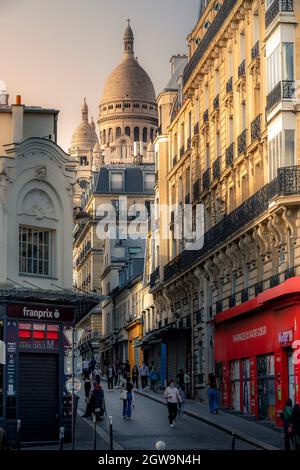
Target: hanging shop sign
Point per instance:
(40, 312)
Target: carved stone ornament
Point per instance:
(41, 171)
(38, 204)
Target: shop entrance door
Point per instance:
(266, 387)
(291, 377)
(235, 385)
(38, 397)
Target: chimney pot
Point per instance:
(18, 100)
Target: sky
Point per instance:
(55, 52)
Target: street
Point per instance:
(149, 424)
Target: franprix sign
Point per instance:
(40, 312)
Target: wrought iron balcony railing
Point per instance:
(216, 168)
(274, 280)
(242, 142)
(154, 277)
(196, 190)
(242, 68)
(232, 300)
(255, 51)
(205, 116)
(217, 102)
(208, 38)
(286, 183)
(206, 179)
(229, 154)
(256, 128)
(284, 90)
(245, 294)
(276, 7)
(229, 85)
(258, 288)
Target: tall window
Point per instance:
(136, 134)
(118, 132)
(123, 149)
(242, 46)
(218, 145)
(206, 96)
(35, 247)
(243, 115)
(288, 61)
(255, 28)
(145, 134)
(127, 131)
(110, 135)
(229, 64)
(83, 160)
(207, 156)
(149, 181)
(281, 151)
(230, 130)
(116, 181)
(217, 82)
(151, 134)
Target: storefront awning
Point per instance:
(157, 336)
(82, 303)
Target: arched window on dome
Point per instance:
(110, 135)
(118, 132)
(136, 134)
(127, 131)
(151, 134)
(145, 134)
(123, 149)
(104, 137)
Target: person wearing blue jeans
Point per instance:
(212, 394)
(127, 406)
(127, 402)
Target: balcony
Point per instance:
(289, 273)
(206, 179)
(229, 155)
(229, 85)
(232, 300)
(216, 168)
(216, 102)
(286, 183)
(245, 295)
(284, 90)
(181, 152)
(276, 8)
(196, 190)
(154, 277)
(205, 116)
(242, 69)
(196, 128)
(274, 281)
(255, 51)
(209, 38)
(242, 142)
(258, 288)
(256, 128)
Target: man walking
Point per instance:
(144, 375)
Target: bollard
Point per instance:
(95, 431)
(61, 437)
(18, 434)
(233, 441)
(111, 433)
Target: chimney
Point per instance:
(17, 120)
(3, 94)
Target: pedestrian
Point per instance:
(85, 365)
(153, 377)
(87, 384)
(97, 397)
(212, 393)
(287, 423)
(187, 383)
(172, 398)
(110, 377)
(296, 425)
(97, 371)
(180, 378)
(126, 396)
(93, 363)
(182, 402)
(144, 375)
(135, 377)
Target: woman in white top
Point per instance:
(173, 398)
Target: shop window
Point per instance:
(2, 357)
(235, 385)
(291, 378)
(35, 251)
(266, 387)
(246, 386)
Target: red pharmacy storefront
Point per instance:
(257, 351)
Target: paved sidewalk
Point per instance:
(249, 431)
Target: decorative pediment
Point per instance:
(38, 204)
